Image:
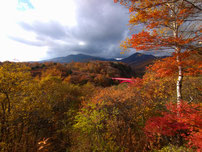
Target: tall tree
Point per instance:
(167, 25)
(14, 78)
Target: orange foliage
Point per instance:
(125, 128)
(164, 22)
(190, 61)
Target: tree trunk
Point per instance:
(177, 51)
(179, 81)
(3, 122)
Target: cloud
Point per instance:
(99, 25)
(52, 29)
(28, 42)
(41, 29)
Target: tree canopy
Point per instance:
(167, 25)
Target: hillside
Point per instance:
(66, 106)
(97, 72)
(75, 58)
(137, 58)
(136, 61)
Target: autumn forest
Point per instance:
(78, 107)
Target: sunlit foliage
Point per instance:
(178, 126)
(42, 110)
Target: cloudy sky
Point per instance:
(32, 30)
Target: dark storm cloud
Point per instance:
(101, 20)
(101, 24)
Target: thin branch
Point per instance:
(193, 5)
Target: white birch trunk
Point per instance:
(179, 81)
(177, 51)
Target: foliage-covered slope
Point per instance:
(96, 72)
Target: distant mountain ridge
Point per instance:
(136, 61)
(134, 58)
(75, 58)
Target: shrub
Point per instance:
(179, 125)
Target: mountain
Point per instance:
(133, 59)
(136, 61)
(137, 58)
(75, 58)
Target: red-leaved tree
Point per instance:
(167, 25)
(177, 124)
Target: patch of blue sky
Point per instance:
(24, 5)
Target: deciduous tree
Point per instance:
(177, 127)
(167, 25)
